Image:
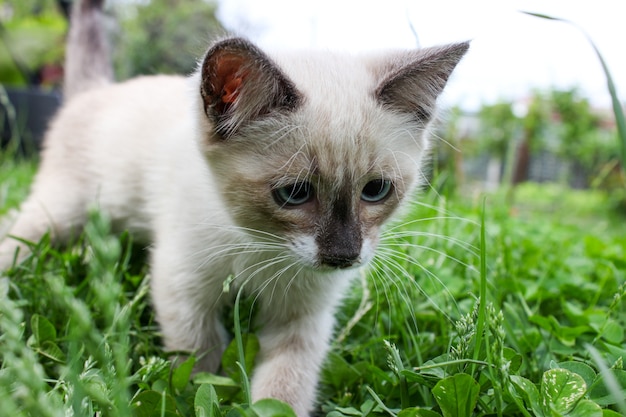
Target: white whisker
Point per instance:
(443, 254)
(391, 267)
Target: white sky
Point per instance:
(511, 53)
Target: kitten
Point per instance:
(278, 170)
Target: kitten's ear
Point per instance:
(240, 83)
(411, 82)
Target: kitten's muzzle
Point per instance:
(340, 239)
(340, 262)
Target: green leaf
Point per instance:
(270, 407)
(586, 408)
(427, 380)
(457, 395)
(560, 390)
(97, 390)
(338, 372)
(43, 330)
(216, 380)
(52, 351)
(613, 332)
(566, 334)
(367, 407)
(378, 401)
(514, 358)
(610, 413)
(602, 395)
(206, 403)
(231, 356)
(529, 393)
(580, 368)
(182, 373)
(417, 412)
(348, 411)
(540, 15)
(152, 403)
(238, 411)
(160, 385)
(430, 369)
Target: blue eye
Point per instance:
(293, 194)
(376, 191)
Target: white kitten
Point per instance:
(278, 170)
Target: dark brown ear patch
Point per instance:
(240, 83)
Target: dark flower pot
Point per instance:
(24, 117)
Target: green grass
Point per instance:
(78, 337)
(15, 175)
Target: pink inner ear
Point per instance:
(231, 89)
(231, 76)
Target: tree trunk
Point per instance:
(522, 162)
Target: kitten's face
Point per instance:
(325, 188)
(326, 162)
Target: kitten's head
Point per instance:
(319, 149)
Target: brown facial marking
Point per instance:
(340, 238)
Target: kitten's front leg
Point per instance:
(186, 308)
(290, 360)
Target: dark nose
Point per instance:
(339, 261)
(339, 240)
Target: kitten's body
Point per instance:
(199, 166)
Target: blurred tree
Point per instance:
(498, 125)
(497, 134)
(157, 36)
(578, 126)
(533, 139)
(164, 36)
(585, 139)
(575, 114)
(561, 122)
(32, 34)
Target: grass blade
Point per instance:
(611, 383)
(482, 306)
(245, 381)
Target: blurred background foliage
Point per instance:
(158, 36)
(164, 36)
(32, 37)
(547, 136)
(551, 136)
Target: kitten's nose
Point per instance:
(342, 261)
(340, 239)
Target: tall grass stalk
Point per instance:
(241, 363)
(618, 110)
(611, 383)
(482, 300)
